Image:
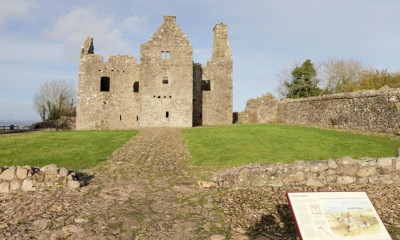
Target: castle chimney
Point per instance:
(221, 48)
(220, 31)
(169, 18)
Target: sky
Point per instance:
(40, 39)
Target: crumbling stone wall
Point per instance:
(28, 178)
(166, 89)
(371, 110)
(260, 110)
(342, 171)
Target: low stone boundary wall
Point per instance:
(311, 173)
(368, 110)
(28, 178)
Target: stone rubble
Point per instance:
(311, 173)
(148, 189)
(28, 178)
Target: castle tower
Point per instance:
(166, 77)
(217, 81)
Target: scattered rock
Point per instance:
(50, 169)
(206, 184)
(345, 180)
(366, 172)
(217, 237)
(56, 208)
(4, 187)
(63, 172)
(385, 162)
(72, 229)
(332, 164)
(22, 173)
(79, 220)
(15, 185)
(318, 166)
(296, 177)
(40, 225)
(27, 185)
(72, 184)
(397, 165)
(8, 174)
(312, 182)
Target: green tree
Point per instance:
(377, 79)
(304, 82)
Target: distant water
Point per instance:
(17, 123)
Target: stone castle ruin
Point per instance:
(165, 89)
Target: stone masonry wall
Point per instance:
(311, 173)
(165, 89)
(218, 98)
(168, 56)
(28, 178)
(371, 110)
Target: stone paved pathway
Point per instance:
(148, 189)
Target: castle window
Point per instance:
(165, 55)
(165, 80)
(120, 117)
(166, 114)
(136, 87)
(205, 85)
(105, 84)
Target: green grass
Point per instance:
(69, 149)
(270, 143)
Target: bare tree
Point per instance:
(339, 75)
(55, 99)
(285, 77)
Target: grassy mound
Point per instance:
(70, 149)
(270, 143)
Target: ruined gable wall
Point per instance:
(260, 110)
(176, 96)
(371, 110)
(113, 109)
(217, 103)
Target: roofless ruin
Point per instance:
(165, 89)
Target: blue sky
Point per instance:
(40, 39)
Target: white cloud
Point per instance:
(18, 50)
(16, 10)
(73, 28)
(133, 22)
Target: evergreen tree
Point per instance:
(304, 81)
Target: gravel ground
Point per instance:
(148, 189)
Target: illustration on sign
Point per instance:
(336, 216)
(350, 217)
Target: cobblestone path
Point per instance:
(148, 189)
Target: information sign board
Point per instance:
(336, 216)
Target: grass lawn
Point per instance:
(270, 143)
(69, 149)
